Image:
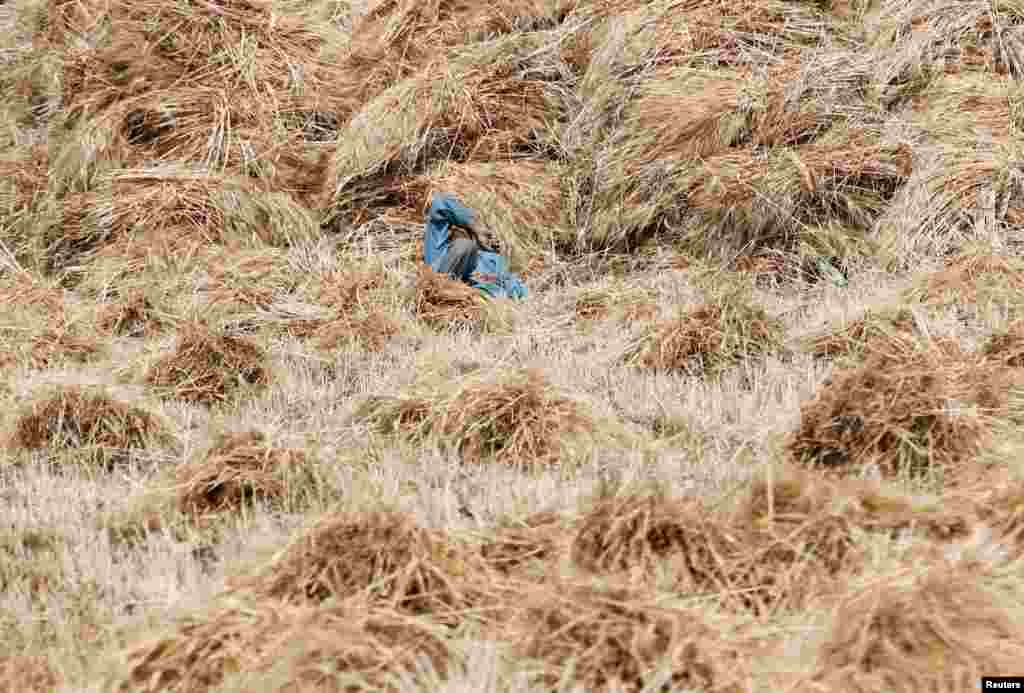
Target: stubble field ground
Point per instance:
(755, 428)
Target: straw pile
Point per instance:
(875, 329)
(27, 674)
(236, 471)
(940, 630)
(1007, 346)
(445, 303)
(972, 279)
(476, 102)
(916, 410)
(707, 339)
(516, 546)
(206, 367)
(513, 417)
(927, 37)
(384, 556)
(229, 85)
(616, 639)
(272, 646)
(75, 417)
(133, 316)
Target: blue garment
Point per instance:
(445, 210)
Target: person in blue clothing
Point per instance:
(459, 244)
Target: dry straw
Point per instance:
(74, 417)
(517, 546)
(27, 674)
(512, 416)
(941, 629)
(505, 93)
(238, 470)
(208, 367)
(875, 329)
(910, 409)
(1006, 346)
(272, 646)
(382, 555)
(708, 338)
(608, 638)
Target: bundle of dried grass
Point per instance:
(1007, 346)
(76, 417)
(516, 546)
(709, 338)
(941, 629)
(272, 646)
(910, 410)
(22, 187)
(207, 367)
(1003, 509)
(971, 196)
(446, 303)
(874, 329)
(956, 106)
(238, 470)
(606, 639)
(927, 37)
(506, 92)
(513, 416)
(385, 556)
(640, 532)
(27, 674)
(132, 316)
(972, 279)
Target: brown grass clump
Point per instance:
(914, 410)
(483, 99)
(27, 674)
(514, 417)
(277, 647)
(1007, 346)
(967, 277)
(615, 639)
(709, 338)
(239, 469)
(445, 303)
(518, 545)
(207, 367)
(372, 330)
(638, 532)
(133, 316)
(938, 630)
(76, 417)
(383, 555)
(875, 329)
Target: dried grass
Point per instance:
(505, 93)
(383, 555)
(616, 639)
(875, 329)
(516, 546)
(941, 629)
(514, 417)
(910, 410)
(133, 316)
(323, 648)
(707, 339)
(445, 303)
(239, 469)
(207, 368)
(27, 674)
(1007, 346)
(76, 417)
(971, 279)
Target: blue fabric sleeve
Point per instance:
(444, 211)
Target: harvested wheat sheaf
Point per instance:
(208, 368)
(27, 674)
(272, 646)
(709, 338)
(238, 469)
(894, 411)
(616, 639)
(75, 417)
(941, 629)
(383, 555)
